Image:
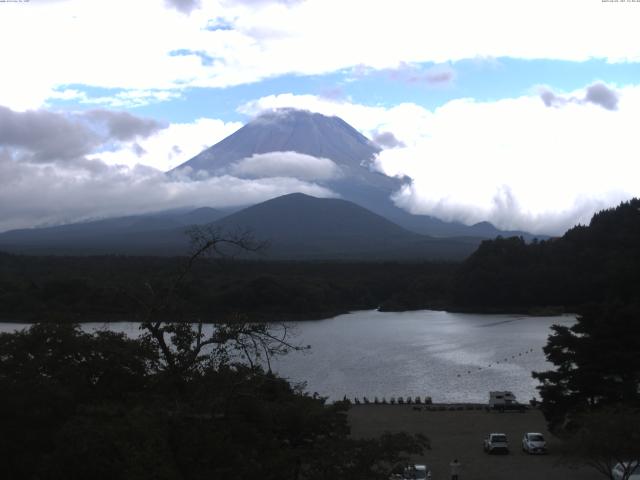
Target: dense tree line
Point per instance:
(595, 263)
(106, 287)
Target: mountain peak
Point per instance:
(288, 130)
(290, 114)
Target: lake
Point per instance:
(451, 357)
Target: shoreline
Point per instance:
(276, 317)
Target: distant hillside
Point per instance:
(301, 226)
(152, 234)
(594, 263)
(427, 225)
(296, 226)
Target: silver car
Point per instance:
(534, 443)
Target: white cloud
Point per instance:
(171, 146)
(286, 164)
(59, 168)
(46, 47)
(41, 194)
(513, 162)
(386, 140)
(367, 119)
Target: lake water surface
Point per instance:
(451, 357)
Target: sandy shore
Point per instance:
(459, 434)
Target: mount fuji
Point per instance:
(362, 222)
(304, 145)
(328, 152)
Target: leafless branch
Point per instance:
(185, 346)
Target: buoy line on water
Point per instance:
(504, 361)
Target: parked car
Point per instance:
(411, 472)
(534, 443)
(496, 443)
(619, 470)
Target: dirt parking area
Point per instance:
(459, 434)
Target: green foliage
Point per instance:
(106, 287)
(592, 396)
(597, 263)
(597, 364)
(48, 372)
(77, 405)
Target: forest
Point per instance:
(599, 262)
(589, 263)
(105, 288)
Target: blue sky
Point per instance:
(516, 112)
(480, 79)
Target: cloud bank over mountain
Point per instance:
(513, 162)
(60, 167)
(527, 163)
(286, 164)
(43, 195)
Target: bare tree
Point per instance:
(187, 346)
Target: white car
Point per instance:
(496, 443)
(619, 470)
(534, 443)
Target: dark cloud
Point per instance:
(42, 136)
(124, 126)
(335, 94)
(255, 3)
(183, 6)
(138, 150)
(439, 75)
(46, 135)
(598, 94)
(387, 140)
(550, 99)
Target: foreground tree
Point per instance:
(592, 397)
(49, 375)
(183, 401)
(597, 364)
